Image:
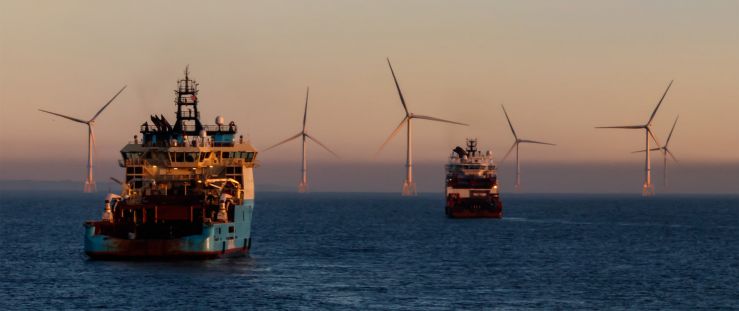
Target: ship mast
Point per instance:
(188, 117)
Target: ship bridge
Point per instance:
(177, 160)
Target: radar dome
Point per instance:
(203, 134)
(220, 120)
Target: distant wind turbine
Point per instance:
(303, 185)
(515, 145)
(89, 182)
(665, 152)
(409, 186)
(647, 188)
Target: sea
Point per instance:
(381, 251)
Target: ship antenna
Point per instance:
(187, 78)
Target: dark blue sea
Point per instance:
(381, 252)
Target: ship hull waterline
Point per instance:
(215, 240)
(463, 209)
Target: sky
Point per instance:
(560, 68)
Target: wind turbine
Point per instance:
(647, 188)
(89, 182)
(303, 185)
(515, 145)
(409, 186)
(665, 151)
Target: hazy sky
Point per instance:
(560, 67)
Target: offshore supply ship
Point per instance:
(188, 190)
(472, 184)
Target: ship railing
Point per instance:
(483, 160)
(221, 128)
(226, 128)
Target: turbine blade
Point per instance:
(509, 151)
(322, 145)
(400, 93)
(509, 123)
(653, 149)
(673, 129)
(659, 103)
(395, 132)
(672, 155)
(284, 141)
(63, 116)
(654, 138)
(534, 142)
(305, 112)
(621, 127)
(418, 116)
(92, 136)
(108, 103)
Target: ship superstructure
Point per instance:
(472, 184)
(188, 190)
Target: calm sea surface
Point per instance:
(382, 251)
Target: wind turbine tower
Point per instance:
(518, 141)
(89, 181)
(648, 187)
(303, 184)
(409, 186)
(665, 152)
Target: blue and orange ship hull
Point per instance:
(111, 241)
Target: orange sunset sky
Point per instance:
(560, 67)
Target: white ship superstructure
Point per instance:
(472, 184)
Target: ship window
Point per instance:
(204, 155)
(225, 155)
(230, 229)
(180, 156)
(191, 156)
(233, 170)
(217, 154)
(132, 155)
(249, 156)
